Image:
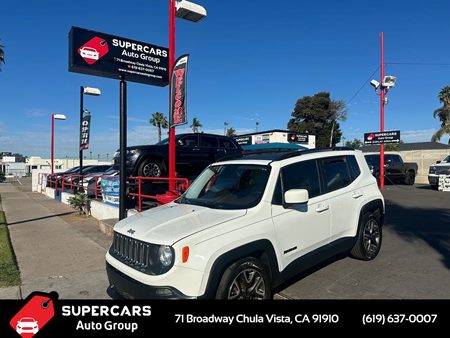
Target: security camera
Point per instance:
(375, 84)
(389, 81)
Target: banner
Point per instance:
(84, 131)
(178, 104)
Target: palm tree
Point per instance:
(231, 132)
(159, 121)
(2, 56)
(195, 125)
(443, 113)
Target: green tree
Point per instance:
(231, 132)
(355, 144)
(443, 113)
(318, 115)
(159, 121)
(195, 125)
(2, 55)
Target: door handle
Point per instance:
(322, 207)
(196, 149)
(357, 194)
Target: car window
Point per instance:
(396, 159)
(230, 186)
(335, 173)
(277, 198)
(188, 141)
(301, 175)
(208, 141)
(354, 167)
(225, 143)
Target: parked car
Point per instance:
(73, 180)
(194, 152)
(56, 177)
(440, 168)
(395, 170)
(246, 225)
(93, 181)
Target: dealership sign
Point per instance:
(384, 137)
(115, 57)
(298, 138)
(178, 106)
(243, 140)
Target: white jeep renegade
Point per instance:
(246, 225)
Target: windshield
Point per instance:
(446, 160)
(229, 186)
(165, 141)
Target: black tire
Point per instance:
(151, 168)
(369, 239)
(245, 279)
(410, 178)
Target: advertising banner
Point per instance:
(178, 104)
(110, 190)
(115, 57)
(84, 131)
(243, 140)
(384, 137)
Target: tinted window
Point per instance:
(302, 175)
(208, 142)
(396, 159)
(354, 167)
(335, 173)
(278, 193)
(225, 143)
(188, 141)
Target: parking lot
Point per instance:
(414, 261)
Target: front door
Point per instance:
(300, 228)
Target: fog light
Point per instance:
(163, 292)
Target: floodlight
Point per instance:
(189, 11)
(389, 81)
(375, 84)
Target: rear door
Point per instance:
(208, 148)
(187, 153)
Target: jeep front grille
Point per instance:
(137, 254)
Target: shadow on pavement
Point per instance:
(431, 225)
(41, 218)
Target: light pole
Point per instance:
(84, 91)
(381, 89)
(194, 13)
(52, 147)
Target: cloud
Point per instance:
(419, 135)
(37, 113)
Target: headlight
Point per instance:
(165, 254)
(432, 170)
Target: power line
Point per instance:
(362, 86)
(418, 63)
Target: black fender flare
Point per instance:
(261, 249)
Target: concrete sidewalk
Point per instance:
(53, 254)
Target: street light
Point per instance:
(381, 89)
(85, 91)
(194, 13)
(54, 117)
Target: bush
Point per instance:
(80, 203)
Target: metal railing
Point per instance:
(181, 184)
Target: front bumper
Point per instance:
(433, 179)
(129, 288)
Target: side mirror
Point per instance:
(437, 162)
(296, 196)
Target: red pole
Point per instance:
(382, 94)
(53, 142)
(171, 62)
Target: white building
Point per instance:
(277, 136)
(36, 162)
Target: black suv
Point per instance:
(194, 152)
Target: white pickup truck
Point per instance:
(440, 168)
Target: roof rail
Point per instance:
(310, 151)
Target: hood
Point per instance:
(172, 222)
(442, 164)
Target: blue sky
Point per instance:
(249, 61)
